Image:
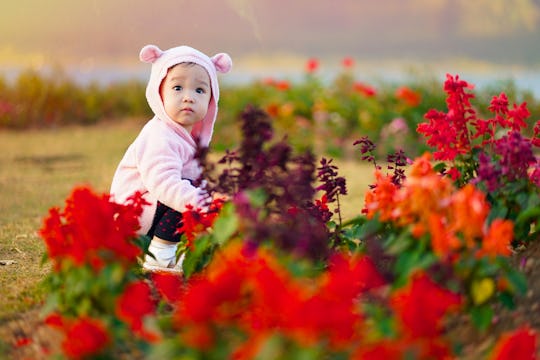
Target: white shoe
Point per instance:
(164, 259)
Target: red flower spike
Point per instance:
(197, 221)
(92, 230)
(85, 337)
(521, 344)
(170, 286)
(448, 132)
(422, 305)
(133, 305)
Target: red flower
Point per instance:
(449, 132)
(197, 221)
(269, 81)
(409, 96)
(364, 89)
(383, 350)
(517, 116)
(133, 305)
(347, 62)
(253, 293)
(421, 306)
(312, 65)
(536, 137)
(85, 337)
(54, 320)
(454, 173)
(22, 341)
(170, 286)
(331, 311)
(499, 104)
(520, 344)
(322, 204)
(283, 85)
(93, 230)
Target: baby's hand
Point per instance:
(220, 196)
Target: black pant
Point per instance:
(166, 223)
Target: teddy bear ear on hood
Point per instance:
(222, 62)
(150, 53)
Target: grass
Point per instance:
(38, 170)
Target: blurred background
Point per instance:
(99, 40)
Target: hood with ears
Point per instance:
(162, 60)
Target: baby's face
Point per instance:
(186, 93)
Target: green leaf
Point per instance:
(440, 167)
(225, 225)
(518, 281)
(482, 316)
(199, 257)
(498, 211)
(257, 197)
(529, 214)
(368, 229)
(396, 245)
(507, 300)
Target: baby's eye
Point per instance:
(201, 90)
(177, 88)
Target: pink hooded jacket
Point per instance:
(160, 162)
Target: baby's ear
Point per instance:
(150, 53)
(222, 62)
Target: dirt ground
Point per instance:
(24, 336)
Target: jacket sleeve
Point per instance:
(160, 161)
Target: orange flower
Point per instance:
(272, 109)
(410, 97)
(381, 199)
(521, 344)
(498, 238)
(469, 211)
(282, 85)
(443, 240)
(421, 197)
(422, 166)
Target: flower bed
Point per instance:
(276, 272)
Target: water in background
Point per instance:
(480, 76)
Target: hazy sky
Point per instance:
(70, 30)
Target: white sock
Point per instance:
(165, 254)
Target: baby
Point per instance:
(183, 93)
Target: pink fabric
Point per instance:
(160, 160)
